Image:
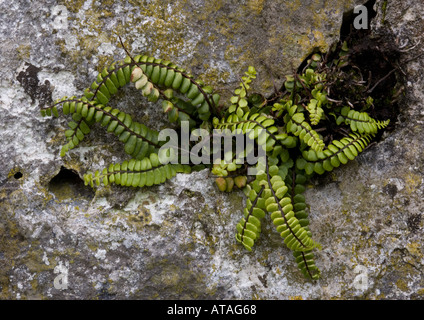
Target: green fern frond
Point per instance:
(295, 182)
(280, 206)
(136, 173)
(78, 130)
(109, 81)
(283, 125)
(239, 101)
(360, 121)
(300, 128)
(315, 111)
(166, 74)
(255, 125)
(249, 227)
(338, 152)
(306, 262)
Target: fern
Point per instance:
(304, 131)
(136, 173)
(77, 132)
(338, 152)
(239, 101)
(281, 209)
(295, 182)
(360, 121)
(249, 227)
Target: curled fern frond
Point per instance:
(166, 74)
(109, 81)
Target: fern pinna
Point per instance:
(302, 129)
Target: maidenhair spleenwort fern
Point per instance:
(302, 129)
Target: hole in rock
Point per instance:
(376, 56)
(347, 27)
(372, 70)
(18, 175)
(67, 184)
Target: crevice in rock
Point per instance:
(67, 184)
(374, 60)
(18, 175)
(347, 28)
(377, 57)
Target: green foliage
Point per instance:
(137, 173)
(359, 121)
(305, 131)
(239, 101)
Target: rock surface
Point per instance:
(62, 240)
